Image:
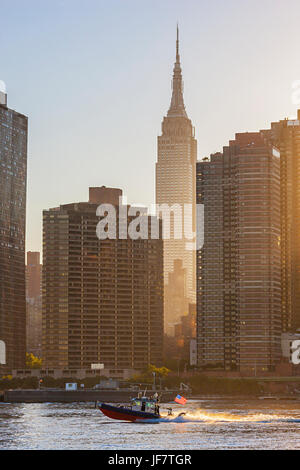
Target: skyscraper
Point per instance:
(285, 135)
(102, 299)
(34, 304)
(238, 267)
(175, 185)
(13, 171)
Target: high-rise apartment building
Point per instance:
(175, 185)
(34, 303)
(285, 135)
(33, 274)
(102, 299)
(238, 267)
(13, 171)
(175, 292)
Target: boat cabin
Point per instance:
(148, 405)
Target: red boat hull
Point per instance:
(125, 414)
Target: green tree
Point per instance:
(33, 362)
(146, 376)
(160, 371)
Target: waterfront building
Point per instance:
(238, 267)
(13, 173)
(102, 299)
(285, 135)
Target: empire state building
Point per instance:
(175, 186)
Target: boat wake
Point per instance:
(200, 416)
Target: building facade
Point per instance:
(102, 299)
(285, 135)
(13, 172)
(238, 267)
(175, 292)
(34, 304)
(175, 185)
(185, 332)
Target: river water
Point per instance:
(210, 423)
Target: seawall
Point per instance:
(63, 396)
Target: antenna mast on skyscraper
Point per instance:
(177, 44)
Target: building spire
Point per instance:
(177, 107)
(177, 46)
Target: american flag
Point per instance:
(180, 399)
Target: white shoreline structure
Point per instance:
(2, 353)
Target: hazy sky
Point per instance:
(94, 77)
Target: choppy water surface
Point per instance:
(208, 424)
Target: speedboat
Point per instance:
(139, 409)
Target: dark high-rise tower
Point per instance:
(175, 184)
(238, 267)
(102, 299)
(13, 170)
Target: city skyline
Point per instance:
(149, 220)
(72, 62)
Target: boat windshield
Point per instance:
(143, 404)
(136, 402)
